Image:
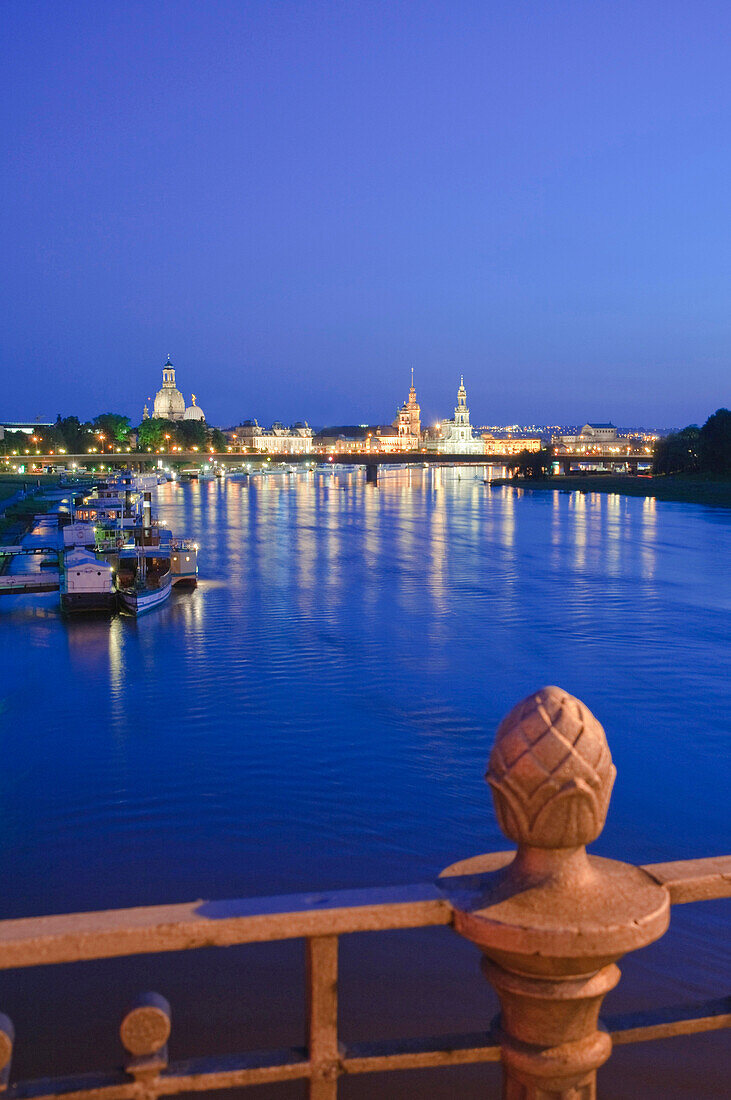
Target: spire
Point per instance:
(412, 391)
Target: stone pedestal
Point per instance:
(551, 920)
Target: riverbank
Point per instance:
(18, 516)
(10, 483)
(685, 490)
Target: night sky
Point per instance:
(301, 201)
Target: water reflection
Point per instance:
(318, 712)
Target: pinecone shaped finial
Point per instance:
(551, 772)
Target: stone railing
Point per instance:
(550, 920)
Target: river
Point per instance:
(318, 714)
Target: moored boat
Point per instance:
(86, 583)
(184, 562)
(144, 580)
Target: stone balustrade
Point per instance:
(550, 920)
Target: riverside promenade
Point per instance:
(551, 923)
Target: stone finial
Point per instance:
(146, 1027)
(551, 920)
(7, 1038)
(551, 772)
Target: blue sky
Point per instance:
(300, 201)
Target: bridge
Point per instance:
(607, 459)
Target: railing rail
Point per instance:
(572, 958)
(110, 933)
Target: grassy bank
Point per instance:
(18, 518)
(10, 483)
(8, 489)
(687, 490)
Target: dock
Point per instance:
(17, 584)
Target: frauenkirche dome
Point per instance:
(169, 401)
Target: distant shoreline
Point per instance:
(684, 490)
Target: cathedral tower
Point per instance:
(408, 420)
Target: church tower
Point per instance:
(461, 412)
(408, 420)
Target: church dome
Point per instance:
(193, 412)
(169, 401)
(169, 404)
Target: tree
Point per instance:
(72, 433)
(218, 440)
(678, 453)
(15, 441)
(715, 443)
(152, 434)
(190, 434)
(114, 426)
(533, 464)
(48, 439)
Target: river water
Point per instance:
(318, 714)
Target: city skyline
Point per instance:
(152, 406)
(310, 201)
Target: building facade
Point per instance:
(510, 445)
(456, 437)
(342, 439)
(590, 436)
(27, 427)
(296, 440)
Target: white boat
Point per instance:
(78, 535)
(86, 583)
(184, 562)
(132, 481)
(144, 580)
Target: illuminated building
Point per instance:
(509, 445)
(591, 436)
(404, 434)
(455, 437)
(193, 412)
(408, 421)
(169, 401)
(28, 427)
(296, 440)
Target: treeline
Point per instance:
(155, 433)
(113, 432)
(695, 450)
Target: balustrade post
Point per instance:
(144, 1032)
(7, 1038)
(551, 920)
(322, 1016)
